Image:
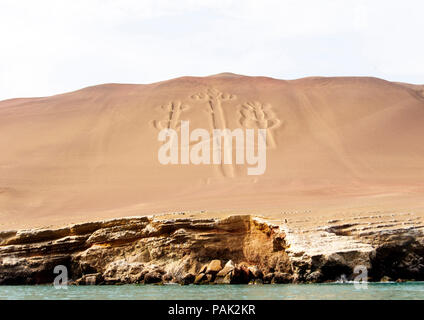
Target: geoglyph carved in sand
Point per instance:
(173, 109)
(253, 115)
(172, 121)
(258, 115)
(214, 99)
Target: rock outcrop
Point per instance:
(239, 249)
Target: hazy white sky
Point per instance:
(51, 46)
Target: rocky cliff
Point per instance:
(237, 249)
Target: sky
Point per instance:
(53, 46)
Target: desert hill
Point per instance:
(336, 146)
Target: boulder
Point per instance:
(199, 278)
(214, 267)
(281, 277)
(167, 277)
(224, 280)
(152, 277)
(203, 278)
(90, 279)
(209, 279)
(187, 279)
(203, 269)
(240, 275)
(268, 277)
(256, 272)
(229, 266)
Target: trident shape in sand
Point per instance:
(172, 121)
(174, 109)
(256, 114)
(214, 98)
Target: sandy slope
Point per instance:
(341, 147)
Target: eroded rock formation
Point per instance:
(235, 250)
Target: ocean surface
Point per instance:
(386, 291)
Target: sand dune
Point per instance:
(338, 146)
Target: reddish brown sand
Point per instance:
(342, 148)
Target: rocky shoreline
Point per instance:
(240, 249)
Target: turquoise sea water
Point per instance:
(386, 291)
